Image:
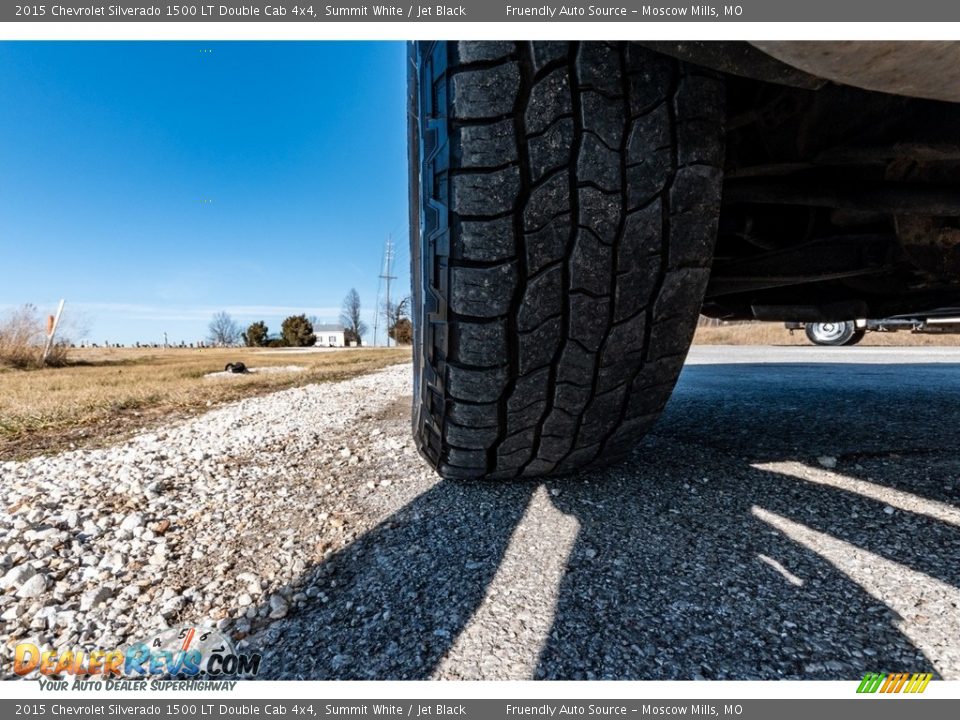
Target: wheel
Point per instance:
(834, 333)
(564, 205)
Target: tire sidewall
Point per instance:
(831, 334)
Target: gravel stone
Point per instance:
(278, 607)
(95, 597)
(132, 521)
(15, 577)
(33, 586)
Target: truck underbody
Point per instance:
(838, 201)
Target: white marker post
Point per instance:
(52, 322)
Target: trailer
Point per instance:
(850, 332)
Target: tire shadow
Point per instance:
(686, 571)
(395, 600)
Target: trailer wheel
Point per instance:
(834, 333)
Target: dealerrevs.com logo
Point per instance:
(894, 683)
(190, 651)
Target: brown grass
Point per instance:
(22, 339)
(767, 333)
(103, 394)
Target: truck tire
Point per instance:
(564, 206)
(834, 333)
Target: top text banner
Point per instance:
(898, 11)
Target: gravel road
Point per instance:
(795, 514)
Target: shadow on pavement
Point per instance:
(706, 556)
(678, 588)
(402, 592)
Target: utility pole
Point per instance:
(387, 266)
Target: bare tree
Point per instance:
(353, 326)
(399, 326)
(74, 326)
(223, 330)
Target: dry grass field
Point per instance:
(768, 333)
(101, 394)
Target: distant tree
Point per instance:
(399, 326)
(353, 326)
(297, 331)
(223, 330)
(256, 334)
(402, 331)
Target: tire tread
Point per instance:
(585, 180)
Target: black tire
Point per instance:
(834, 334)
(564, 204)
(858, 335)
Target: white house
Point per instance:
(328, 335)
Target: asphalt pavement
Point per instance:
(794, 514)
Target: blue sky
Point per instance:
(152, 184)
